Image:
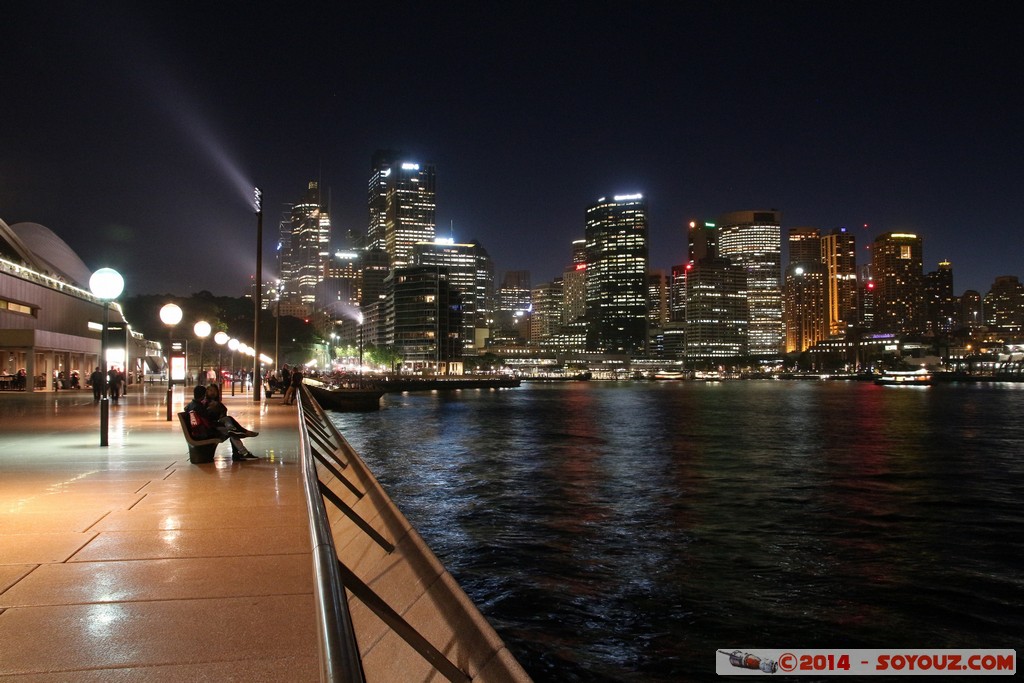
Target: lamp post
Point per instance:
(170, 315)
(233, 345)
(202, 330)
(257, 295)
(106, 284)
(221, 338)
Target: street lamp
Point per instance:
(170, 315)
(233, 345)
(258, 294)
(106, 284)
(202, 330)
(221, 338)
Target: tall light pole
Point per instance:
(221, 338)
(233, 345)
(106, 284)
(258, 296)
(202, 330)
(170, 315)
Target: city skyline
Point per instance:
(873, 118)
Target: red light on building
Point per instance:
(581, 266)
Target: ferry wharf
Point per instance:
(126, 562)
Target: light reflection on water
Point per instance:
(626, 531)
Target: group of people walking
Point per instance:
(115, 385)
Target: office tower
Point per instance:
(514, 293)
(657, 297)
(972, 313)
(804, 303)
(579, 252)
(752, 240)
(471, 273)
(616, 234)
(546, 317)
(1004, 304)
(941, 306)
(402, 204)
(513, 305)
(804, 294)
(423, 317)
(286, 266)
(804, 245)
(716, 311)
(839, 255)
(897, 267)
(309, 247)
(702, 240)
(677, 294)
(574, 292)
(337, 298)
(374, 267)
(865, 297)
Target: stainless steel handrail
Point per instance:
(339, 653)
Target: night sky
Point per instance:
(135, 132)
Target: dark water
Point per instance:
(624, 532)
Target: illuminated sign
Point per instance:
(627, 197)
(410, 167)
(904, 236)
(178, 368)
(449, 241)
(581, 266)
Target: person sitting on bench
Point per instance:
(210, 426)
(220, 411)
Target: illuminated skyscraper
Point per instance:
(402, 205)
(471, 274)
(1004, 304)
(941, 304)
(804, 306)
(308, 248)
(804, 309)
(617, 259)
(839, 255)
(716, 311)
(752, 240)
(897, 268)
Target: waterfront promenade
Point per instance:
(127, 562)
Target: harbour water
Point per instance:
(627, 531)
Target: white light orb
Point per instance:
(170, 314)
(106, 283)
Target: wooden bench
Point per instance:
(199, 450)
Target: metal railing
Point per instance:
(339, 652)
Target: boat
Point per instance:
(346, 399)
(905, 378)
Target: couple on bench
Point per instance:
(208, 419)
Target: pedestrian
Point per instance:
(96, 382)
(293, 386)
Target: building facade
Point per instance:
(752, 240)
(402, 205)
(898, 272)
(617, 264)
